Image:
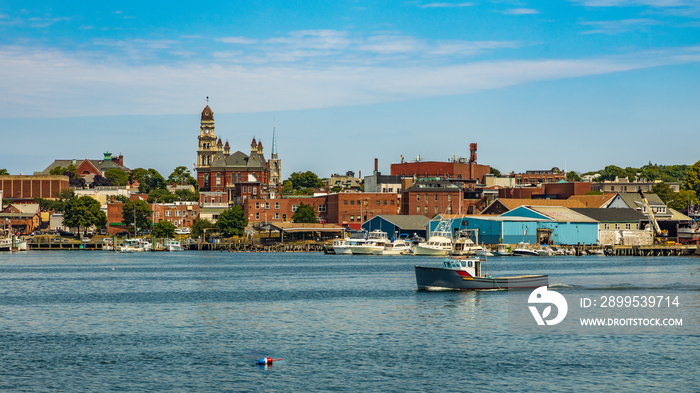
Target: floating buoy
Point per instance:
(267, 361)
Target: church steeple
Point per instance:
(207, 138)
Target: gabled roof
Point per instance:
(612, 215)
(556, 213)
(593, 201)
(406, 222)
(512, 203)
(631, 199)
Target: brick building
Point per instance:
(539, 177)
(15, 187)
(430, 198)
(180, 214)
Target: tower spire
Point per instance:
(274, 141)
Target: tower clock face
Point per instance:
(206, 131)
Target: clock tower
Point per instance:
(207, 139)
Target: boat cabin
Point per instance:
(469, 265)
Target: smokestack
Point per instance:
(472, 157)
(376, 166)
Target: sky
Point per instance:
(577, 84)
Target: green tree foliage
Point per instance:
(151, 180)
(59, 204)
(573, 176)
(137, 174)
(4, 172)
(305, 213)
(117, 177)
(138, 209)
(232, 221)
(164, 229)
(84, 212)
(683, 198)
(594, 193)
(692, 180)
(306, 179)
(121, 198)
(611, 172)
(287, 187)
(199, 225)
(187, 195)
(181, 175)
(664, 191)
(495, 172)
(161, 195)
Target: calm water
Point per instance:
(197, 321)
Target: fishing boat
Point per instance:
(468, 273)
(502, 250)
(439, 243)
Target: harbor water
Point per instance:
(86, 321)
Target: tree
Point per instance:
(161, 195)
(573, 176)
(84, 212)
(181, 175)
(164, 229)
(664, 191)
(682, 199)
(151, 180)
(594, 193)
(495, 172)
(305, 213)
(4, 172)
(137, 210)
(307, 179)
(100, 181)
(199, 225)
(232, 221)
(692, 179)
(117, 176)
(59, 204)
(611, 172)
(187, 195)
(138, 175)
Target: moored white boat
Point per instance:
(172, 245)
(439, 243)
(376, 240)
(396, 247)
(524, 249)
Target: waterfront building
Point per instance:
(624, 185)
(430, 198)
(619, 226)
(24, 218)
(398, 225)
(218, 170)
(180, 214)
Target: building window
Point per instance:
(345, 202)
(321, 208)
(385, 202)
(277, 216)
(257, 216)
(426, 209)
(417, 197)
(392, 203)
(606, 226)
(352, 202)
(436, 197)
(418, 209)
(449, 209)
(167, 213)
(449, 197)
(628, 226)
(436, 210)
(277, 205)
(617, 226)
(267, 205)
(257, 205)
(177, 213)
(255, 190)
(352, 218)
(378, 203)
(218, 179)
(295, 207)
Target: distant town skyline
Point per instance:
(576, 84)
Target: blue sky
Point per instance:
(576, 84)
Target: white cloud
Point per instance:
(521, 11)
(618, 26)
(446, 5)
(237, 40)
(54, 84)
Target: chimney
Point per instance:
(376, 166)
(472, 157)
